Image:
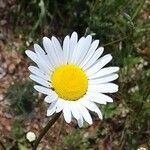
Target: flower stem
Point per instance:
(45, 130)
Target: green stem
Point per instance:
(113, 42)
(45, 130)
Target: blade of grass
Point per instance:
(137, 10)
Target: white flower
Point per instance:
(72, 76)
(31, 136)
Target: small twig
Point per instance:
(116, 41)
(122, 141)
(2, 145)
(45, 130)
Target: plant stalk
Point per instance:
(46, 128)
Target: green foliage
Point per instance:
(21, 97)
(108, 110)
(17, 134)
(115, 23)
(50, 17)
(76, 140)
(22, 101)
(136, 96)
(17, 130)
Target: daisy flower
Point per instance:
(72, 76)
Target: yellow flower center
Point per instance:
(69, 82)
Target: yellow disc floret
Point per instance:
(69, 82)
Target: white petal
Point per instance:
(58, 49)
(99, 97)
(104, 72)
(66, 46)
(105, 79)
(85, 113)
(79, 47)
(38, 72)
(38, 50)
(94, 58)
(60, 105)
(67, 113)
(91, 106)
(50, 98)
(42, 57)
(74, 110)
(43, 90)
(31, 55)
(73, 43)
(80, 122)
(56, 44)
(51, 109)
(35, 58)
(96, 97)
(90, 53)
(39, 80)
(103, 88)
(48, 46)
(84, 49)
(99, 64)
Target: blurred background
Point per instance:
(123, 28)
